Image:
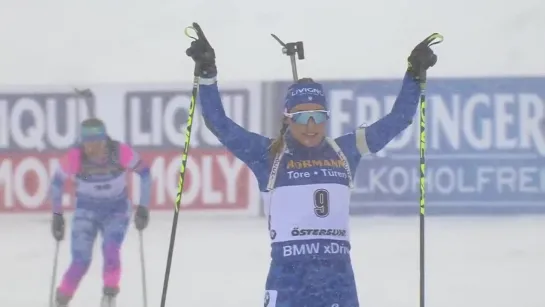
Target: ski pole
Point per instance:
(54, 274)
(195, 27)
(431, 40)
(143, 269)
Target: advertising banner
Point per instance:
(36, 126)
(485, 145)
(39, 124)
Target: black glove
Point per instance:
(57, 226)
(203, 54)
(421, 58)
(141, 217)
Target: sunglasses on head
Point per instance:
(302, 117)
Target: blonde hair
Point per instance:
(278, 144)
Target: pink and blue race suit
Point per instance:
(102, 205)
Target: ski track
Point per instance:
(471, 262)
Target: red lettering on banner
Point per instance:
(25, 181)
(214, 179)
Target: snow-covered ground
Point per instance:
(471, 262)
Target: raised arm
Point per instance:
(245, 145)
(373, 138)
(380, 133)
(249, 147)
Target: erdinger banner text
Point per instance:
(485, 145)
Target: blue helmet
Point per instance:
(93, 129)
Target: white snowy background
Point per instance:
(471, 262)
(97, 41)
(223, 261)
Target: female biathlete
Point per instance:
(305, 179)
(98, 165)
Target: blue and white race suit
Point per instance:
(306, 192)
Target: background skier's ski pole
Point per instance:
(143, 269)
(54, 274)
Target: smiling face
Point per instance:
(306, 123)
